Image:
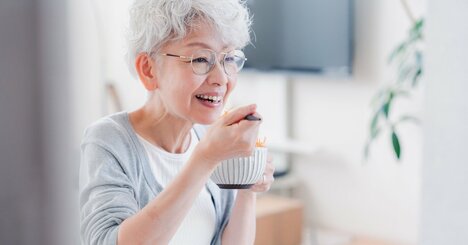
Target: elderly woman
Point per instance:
(147, 172)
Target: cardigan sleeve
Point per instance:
(107, 196)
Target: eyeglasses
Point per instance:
(203, 61)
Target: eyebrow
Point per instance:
(203, 45)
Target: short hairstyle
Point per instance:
(155, 22)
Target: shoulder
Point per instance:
(109, 145)
(113, 130)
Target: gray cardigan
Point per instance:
(116, 181)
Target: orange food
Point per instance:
(260, 143)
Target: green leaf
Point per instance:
(416, 30)
(375, 133)
(404, 72)
(418, 57)
(396, 144)
(385, 109)
(374, 122)
(419, 24)
(378, 96)
(386, 106)
(416, 77)
(366, 150)
(397, 51)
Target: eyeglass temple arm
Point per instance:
(178, 56)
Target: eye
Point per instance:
(229, 59)
(232, 59)
(200, 60)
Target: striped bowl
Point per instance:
(242, 172)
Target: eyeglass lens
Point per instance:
(204, 60)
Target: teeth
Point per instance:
(211, 98)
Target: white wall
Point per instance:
(97, 57)
(445, 192)
(377, 198)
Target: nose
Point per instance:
(217, 75)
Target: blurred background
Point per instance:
(314, 68)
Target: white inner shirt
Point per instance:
(198, 226)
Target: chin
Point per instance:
(207, 119)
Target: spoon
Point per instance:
(251, 117)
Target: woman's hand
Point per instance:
(267, 179)
(230, 136)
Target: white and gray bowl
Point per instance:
(241, 172)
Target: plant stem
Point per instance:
(408, 11)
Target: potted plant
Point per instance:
(407, 60)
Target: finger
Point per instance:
(266, 179)
(265, 186)
(245, 125)
(269, 168)
(269, 158)
(238, 114)
(262, 180)
(260, 188)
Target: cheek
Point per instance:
(231, 85)
(187, 83)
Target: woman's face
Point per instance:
(186, 95)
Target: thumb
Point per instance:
(238, 114)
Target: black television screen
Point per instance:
(305, 35)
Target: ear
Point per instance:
(145, 69)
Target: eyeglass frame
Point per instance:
(191, 58)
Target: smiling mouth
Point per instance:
(211, 99)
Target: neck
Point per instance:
(160, 128)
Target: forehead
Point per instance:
(202, 35)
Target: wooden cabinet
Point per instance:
(279, 220)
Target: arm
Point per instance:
(107, 196)
(110, 214)
(158, 221)
(242, 224)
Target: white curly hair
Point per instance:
(155, 22)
